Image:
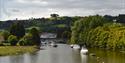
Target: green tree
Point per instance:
(81, 27)
(26, 40)
(35, 36)
(5, 34)
(54, 15)
(12, 40)
(66, 34)
(17, 29)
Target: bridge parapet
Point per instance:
(57, 40)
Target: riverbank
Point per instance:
(16, 50)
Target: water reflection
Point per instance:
(107, 56)
(2, 60)
(76, 56)
(83, 58)
(27, 58)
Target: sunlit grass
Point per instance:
(60, 25)
(16, 50)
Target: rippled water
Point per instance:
(64, 54)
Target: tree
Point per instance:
(54, 15)
(17, 29)
(66, 34)
(12, 40)
(35, 36)
(5, 34)
(26, 40)
(82, 27)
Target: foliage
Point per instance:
(12, 40)
(5, 34)
(31, 38)
(17, 29)
(96, 31)
(109, 36)
(85, 24)
(26, 40)
(66, 34)
(35, 36)
(54, 15)
(28, 29)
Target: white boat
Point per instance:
(53, 44)
(71, 45)
(84, 50)
(75, 46)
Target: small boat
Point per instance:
(77, 47)
(84, 50)
(54, 44)
(71, 45)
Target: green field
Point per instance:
(60, 25)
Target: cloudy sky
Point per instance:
(24, 9)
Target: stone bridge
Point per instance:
(57, 40)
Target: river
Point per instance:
(64, 54)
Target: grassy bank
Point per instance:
(16, 50)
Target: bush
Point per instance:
(26, 40)
(5, 34)
(111, 37)
(17, 29)
(82, 26)
(35, 36)
(1, 44)
(31, 38)
(66, 34)
(12, 40)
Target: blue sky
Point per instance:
(25, 9)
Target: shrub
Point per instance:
(35, 36)
(12, 40)
(5, 34)
(17, 29)
(26, 40)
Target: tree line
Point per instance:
(98, 31)
(16, 35)
(87, 30)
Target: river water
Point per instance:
(64, 54)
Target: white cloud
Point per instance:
(20, 1)
(36, 2)
(38, 8)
